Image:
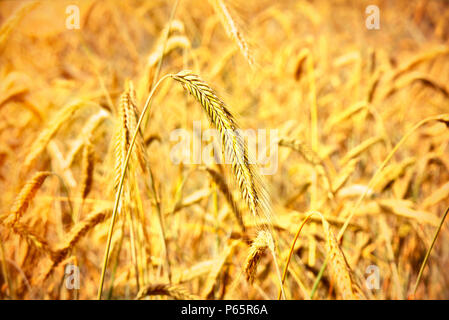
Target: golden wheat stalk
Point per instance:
(129, 103)
(164, 289)
(264, 241)
(235, 148)
(127, 124)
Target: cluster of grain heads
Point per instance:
(235, 151)
(60, 252)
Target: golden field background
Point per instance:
(369, 89)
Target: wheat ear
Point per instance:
(126, 126)
(235, 149)
(27, 194)
(88, 162)
(339, 268)
(256, 251)
(81, 229)
(121, 139)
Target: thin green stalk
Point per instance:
(318, 278)
(120, 187)
(423, 265)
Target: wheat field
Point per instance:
(99, 200)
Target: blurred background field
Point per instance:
(369, 87)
